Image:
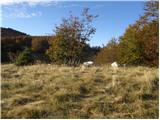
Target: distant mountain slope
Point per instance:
(9, 32)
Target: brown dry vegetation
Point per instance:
(50, 91)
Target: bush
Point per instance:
(41, 58)
(25, 57)
(11, 46)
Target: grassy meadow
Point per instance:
(52, 91)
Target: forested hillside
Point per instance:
(14, 42)
(9, 32)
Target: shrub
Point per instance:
(25, 57)
(11, 46)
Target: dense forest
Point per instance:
(137, 46)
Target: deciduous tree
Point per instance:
(70, 37)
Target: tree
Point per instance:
(139, 44)
(149, 34)
(109, 53)
(130, 50)
(25, 58)
(70, 38)
(89, 53)
(149, 37)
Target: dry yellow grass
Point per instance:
(51, 91)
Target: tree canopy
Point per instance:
(70, 37)
(139, 44)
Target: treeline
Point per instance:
(11, 47)
(23, 49)
(68, 45)
(140, 43)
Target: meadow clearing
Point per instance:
(52, 91)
